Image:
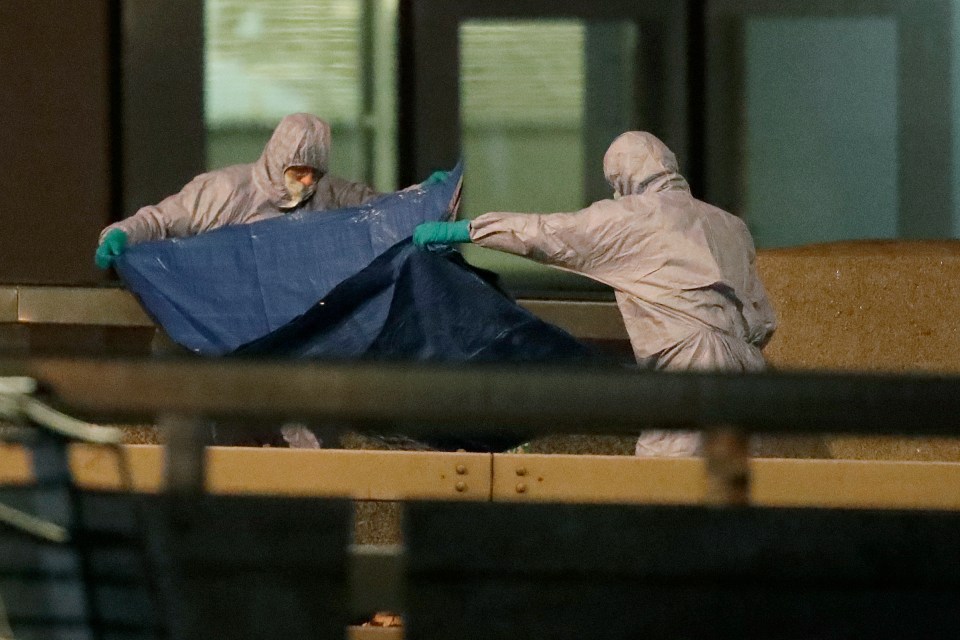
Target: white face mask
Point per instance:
(296, 190)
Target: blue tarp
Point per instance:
(428, 306)
(344, 284)
(216, 291)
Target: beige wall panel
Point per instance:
(587, 320)
(886, 306)
(99, 467)
(398, 475)
(577, 478)
(77, 305)
(820, 483)
(93, 467)
(374, 633)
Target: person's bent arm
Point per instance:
(187, 213)
(174, 217)
(149, 223)
(562, 240)
(594, 241)
(350, 194)
(573, 241)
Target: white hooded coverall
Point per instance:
(245, 193)
(683, 271)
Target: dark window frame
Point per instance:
(429, 66)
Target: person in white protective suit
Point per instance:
(290, 175)
(683, 270)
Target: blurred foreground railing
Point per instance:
(190, 561)
(419, 400)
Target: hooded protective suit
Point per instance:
(252, 192)
(683, 270)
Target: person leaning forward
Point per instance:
(683, 270)
(290, 175)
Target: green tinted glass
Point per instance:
(525, 117)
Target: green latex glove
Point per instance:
(114, 244)
(435, 177)
(441, 233)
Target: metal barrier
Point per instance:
(520, 478)
(181, 394)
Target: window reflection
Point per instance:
(821, 111)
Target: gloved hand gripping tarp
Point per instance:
(216, 291)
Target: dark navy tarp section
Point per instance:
(216, 291)
(412, 304)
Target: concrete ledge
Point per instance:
(117, 307)
(106, 306)
(585, 320)
(374, 633)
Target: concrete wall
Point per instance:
(56, 186)
(100, 115)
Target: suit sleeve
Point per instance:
(576, 241)
(177, 216)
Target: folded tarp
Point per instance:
(216, 291)
(426, 306)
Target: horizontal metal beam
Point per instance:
(526, 477)
(421, 399)
(331, 473)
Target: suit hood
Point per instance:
(638, 162)
(301, 139)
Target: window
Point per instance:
(832, 121)
(334, 58)
(531, 95)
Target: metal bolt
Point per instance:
(521, 471)
(521, 487)
(461, 486)
(462, 470)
